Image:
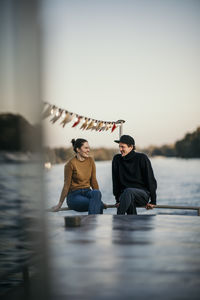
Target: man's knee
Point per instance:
(126, 195)
(127, 192)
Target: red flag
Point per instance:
(114, 127)
(77, 122)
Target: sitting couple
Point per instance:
(133, 180)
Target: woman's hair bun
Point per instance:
(73, 142)
(78, 143)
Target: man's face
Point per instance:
(125, 149)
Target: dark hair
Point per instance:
(78, 143)
(129, 145)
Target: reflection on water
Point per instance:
(112, 257)
(20, 227)
(129, 231)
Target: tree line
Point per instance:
(61, 155)
(188, 147)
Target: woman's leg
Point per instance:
(95, 203)
(78, 201)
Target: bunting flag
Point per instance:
(67, 118)
(86, 123)
(57, 115)
(77, 122)
(99, 125)
(90, 125)
(114, 127)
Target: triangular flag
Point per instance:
(91, 124)
(99, 125)
(108, 126)
(77, 122)
(57, 116)
(69, 116)
(114, 127)
(84, 125)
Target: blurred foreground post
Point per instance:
(23, 228)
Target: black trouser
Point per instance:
(130, 199)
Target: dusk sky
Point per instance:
(132, 60)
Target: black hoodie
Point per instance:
(133, 171)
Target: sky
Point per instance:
(132, 60)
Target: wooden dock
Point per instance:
(125, 257)
(197, 208)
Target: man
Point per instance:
(133, 179)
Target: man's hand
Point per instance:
(150, 206)
(117, 204)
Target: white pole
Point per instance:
(120, 122)
(121, 129)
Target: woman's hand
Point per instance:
(56, 207)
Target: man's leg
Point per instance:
(130, 199)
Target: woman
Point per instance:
(79, 178)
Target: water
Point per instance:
(20, 222)
(178, 184)
(20, 191)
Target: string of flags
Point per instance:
(64, 117)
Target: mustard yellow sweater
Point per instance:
(79, 175)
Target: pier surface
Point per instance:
(125, 257)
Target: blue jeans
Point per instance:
(85, 200)
(130, 199)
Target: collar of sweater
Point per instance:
(130, 155)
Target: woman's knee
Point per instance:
(96, 193)
(78, 203)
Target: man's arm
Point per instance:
(150, 180)
(115, 179)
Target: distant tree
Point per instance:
(17, 134)
(103, 153)
(189, 146)
(165, 150)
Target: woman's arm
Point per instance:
(67, 182)
(93, 179)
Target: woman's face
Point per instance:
(84, 150)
